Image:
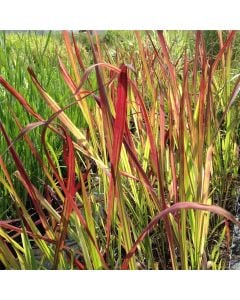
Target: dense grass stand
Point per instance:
(156, 113)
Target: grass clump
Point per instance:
(133, 140)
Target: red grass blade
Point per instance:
(120, 120)
(66, 75)
(79, 58)
(70, 190)
(224, 48)
(118, 131)
(20, 98)
(104, 103)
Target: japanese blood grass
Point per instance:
(154, 137)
